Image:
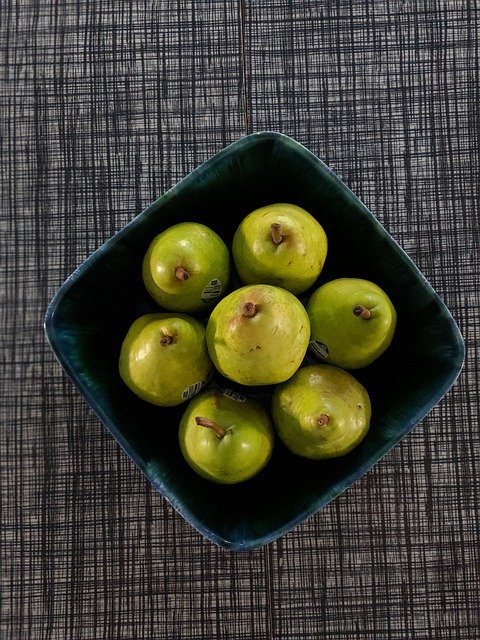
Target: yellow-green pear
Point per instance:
(258, 335)
(226, 437)
(164, 358)
(321, 412)
(280, 244)
(352, 320)
(186, 268)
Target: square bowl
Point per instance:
(87, 319)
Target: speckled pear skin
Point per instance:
(265, 348)
(321, 412)
(293, 260)
(350, 340)
(164, 358)
(242, 452)
(89, 316)
(204, 260)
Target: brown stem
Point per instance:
(210, 424)
(181, 273)
(249, 309)
(276, 233)
(166, 340)
(362, 311)
(323, 420)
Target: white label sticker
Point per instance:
(193, 389)
(234, 395)
(319, 349)
(212, 290)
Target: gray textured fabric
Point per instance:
(103, 106)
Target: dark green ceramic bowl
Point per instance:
(89, 316)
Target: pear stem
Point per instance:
(249, 309)
(166, 340)
(362, 312)
(276, 233)
(210, 424)
(181, 273)
(323, 420)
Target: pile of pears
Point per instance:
(256, 334)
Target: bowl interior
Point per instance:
(91, 313)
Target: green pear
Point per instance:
(226, 437)
(258, 335)
(164, 358)
(186, 268)
(321, 412)
(280, 244)
(352, 322)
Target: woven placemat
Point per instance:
(103, 106)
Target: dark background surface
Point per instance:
(103, 106)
